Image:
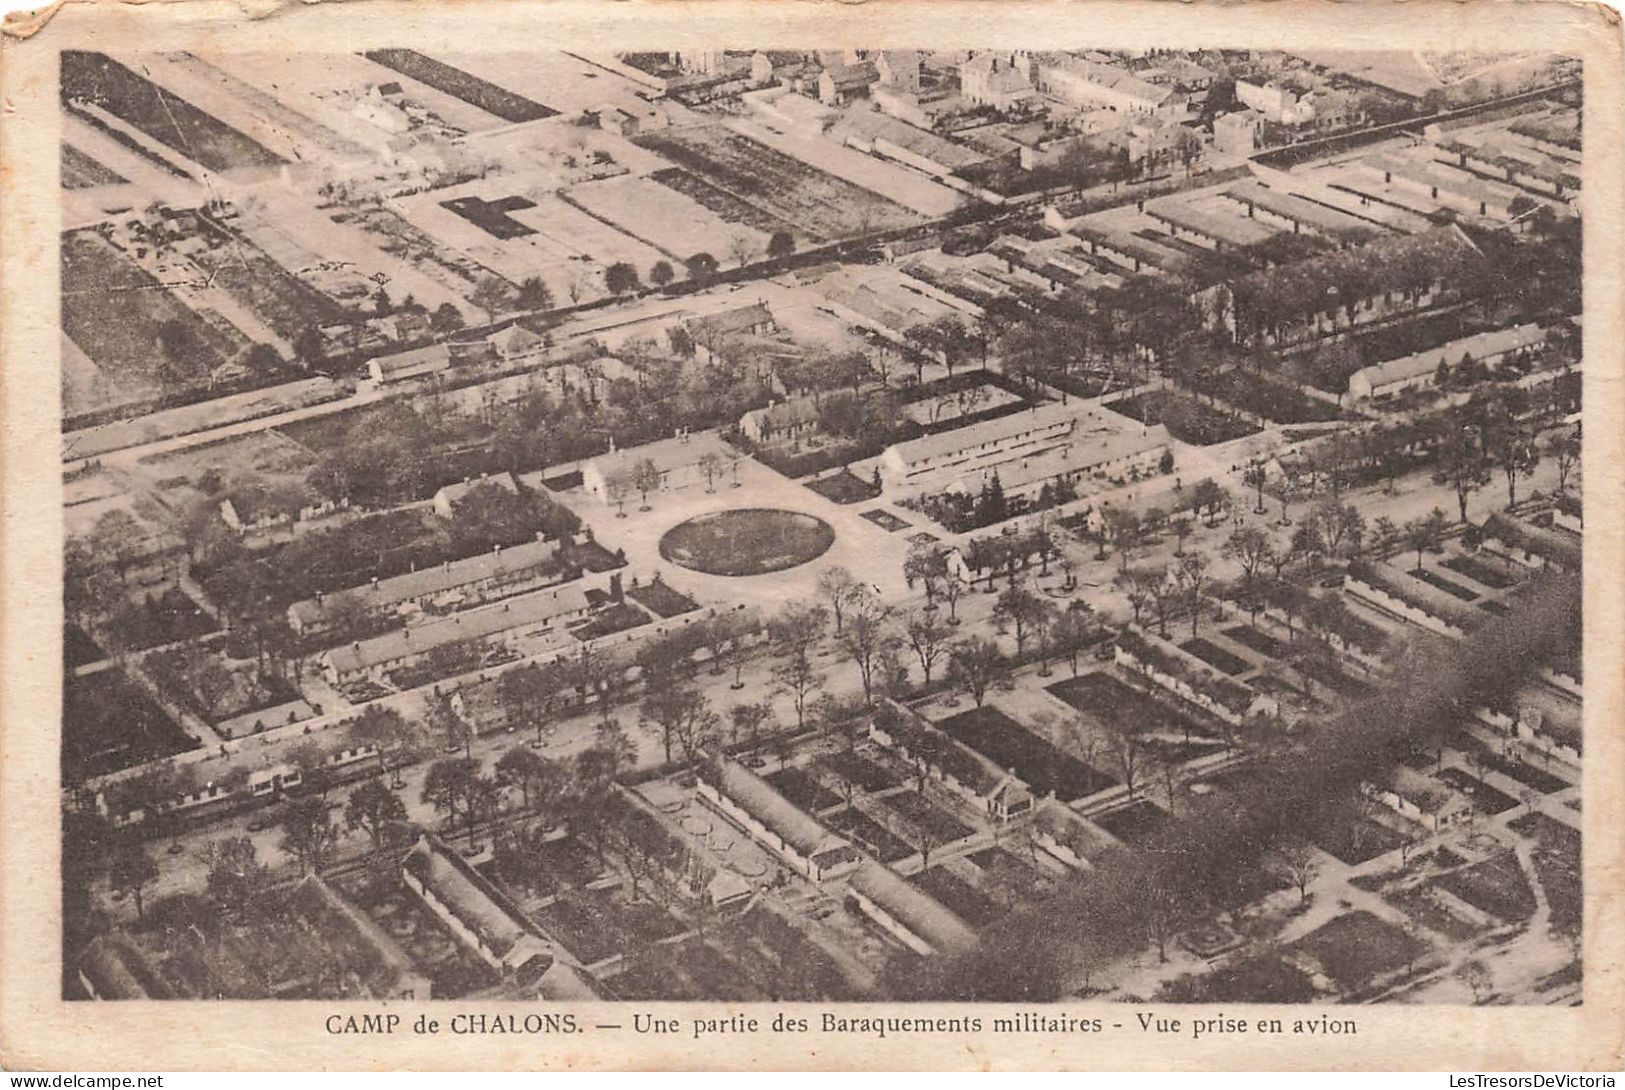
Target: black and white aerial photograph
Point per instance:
(872, 525)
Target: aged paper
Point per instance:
(799, 536)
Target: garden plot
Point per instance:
(164, 116)
(559, 80)
(907, 188)
(955, 403)
(1039, 764)
(298, 237)
(340, 79)
(86, 388)
(120, 316)
(823, 205)
(453, 81)
(663, 217)
(1356, 948)
(80, 171)
(262, 117)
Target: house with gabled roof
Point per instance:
(489, 924)
(774, 821)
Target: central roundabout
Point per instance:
(747, 541)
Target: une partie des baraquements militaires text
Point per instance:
(846, 1023)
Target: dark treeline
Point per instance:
(1046, 949)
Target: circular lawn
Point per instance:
(747, 541)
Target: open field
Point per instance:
(1355, 948)
(174, 122)
(823, 206)
(663, 217)
(80, 171)
(1496, 886)
(558, 80)
(264, 118)
(906, 189)
(120, 316)
(726, 206)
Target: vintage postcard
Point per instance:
(798, 535)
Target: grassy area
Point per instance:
(80, 171)
(1496, 886)
(169, 617)
(1355, 948)
(918, 811)
(1216, 656)
(957, 896)
(1248, 636)
(108, 723)
(287, 305)
(860, 770)
(1272, 400)
(1107, 699)
(1479, 571)
(1355, 841)
(801, 788)
(662, 599)
(1263, 979)
(844, 487)
(1039, 764)
(869, 834)
(1485, 797)
(747, 541)
(1133, 823)
(885, 520)
(78, 649)
(1188, 420)
(128, 324)
(617, 618)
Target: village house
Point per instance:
(491, 926)
(1419, 799)
(1189, 678)
(416, 363)
(515, 342)
(447, 498)
(1239, 132)
(451, 585)
(1300, 215)
(838, 86)
(996, 80)
(914, 918)
(773, 820)
(900, 68)
(710, 332)
(526, 615)
(781, 421)
(1418, 370)
(1099, 451)
(681, 462)
(1085, 84)
(1386, 590)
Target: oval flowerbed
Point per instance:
(747, 541)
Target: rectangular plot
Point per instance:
(957, 896)
(455, 82)
(1039, 764)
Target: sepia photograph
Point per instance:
(880, 528)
